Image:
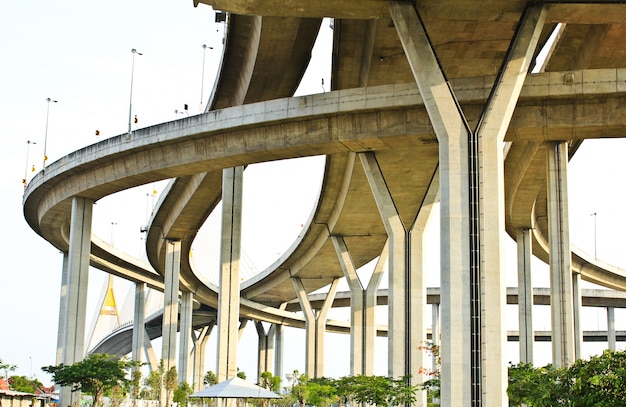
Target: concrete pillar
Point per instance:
(357, 315)
(577, 302)
(418, 298)
(62, 309)
(278, 331)
(610, 327)
(315, 328)
(139, 323)
(78, 275)
(170, 304)
(200, 342)
(264, 354)
(561, 286)
(399, 360)
(525, 296)
(369, 311)
(184, 354)
(228, 308)
(472, 211)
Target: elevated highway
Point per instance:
(374, 108)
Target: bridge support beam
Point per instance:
(315, 327)
(525, 296)
(266, 349)
(407, 290)
(62, 309)
(473, 371)
(184, 353)
(200, 341)
(610, 327)
(139, 323)
(228, 308)
(77, 288)
(170, 303)
(561, 285)
(362, 309)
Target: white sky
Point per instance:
(78, 53)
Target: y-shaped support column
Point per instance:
(407, 290)
(473, 371)
(200, 342)
(561, 287)
(266, 349)
(315, 327)
(228, 308)
(362, 309)
(77, 283)
(525, 296)
(170, 303)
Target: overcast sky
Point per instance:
(79, 53)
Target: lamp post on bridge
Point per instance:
(25, 180)
(130, 105)
(45, 140)
(204, 48)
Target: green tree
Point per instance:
(241, 374)
(322, 392)
(94, 375)
(270, 382)
(170, 380)
(7, 367)
(24, 384)
(210, 378)
(135, 378)
(598, 382)
(181, 394)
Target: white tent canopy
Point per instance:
(236, 388)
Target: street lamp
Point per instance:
(28, 143)
(45, 140)
(132, 73)
(204, 47)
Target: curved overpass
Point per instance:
(369, 73)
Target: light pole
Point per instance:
(130, 105)
(25, 180)
(204, 47)
(45, 140)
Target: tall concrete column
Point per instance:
(78, 275)
(577, 302)
(561, 286)
(472, 210)
(369, 311)
(184, 353)
(170, 303)
(417, 294)
(139, 323)
(610, 327)
(525, 296)
(200, 342)
(228, 308)
(262, 349)
(362, 308)
(62, 309)
(277, 332)
(315, 327)
(399, 360)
